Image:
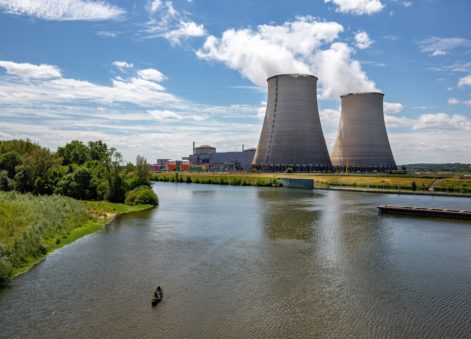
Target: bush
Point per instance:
(141, 196)
(6, 271)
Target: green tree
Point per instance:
(24, 179)
(9, 161)
(98, 150)
(78, 185)
(142, 172)
(75, 152)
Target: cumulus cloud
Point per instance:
(43, 83)
(167, 22)
(151, 74)
(30, 71)
(330, 117)
(185, 29)
(339, 73)
(293, 47)
(393, 121)
(465, 81)
(362, 40)
(62, 10)
(122, 64)
(357, 7)
(443, 121)
(392, 107)
(453, 101)
(435, 46)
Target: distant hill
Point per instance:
(447, 167)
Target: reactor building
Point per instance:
(362, 141)
(292, 134)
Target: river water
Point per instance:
(238, 262)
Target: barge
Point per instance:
(426, 212)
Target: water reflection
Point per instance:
(288, 214)
(253, 262)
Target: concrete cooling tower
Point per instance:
(292, 134)
(362, 141)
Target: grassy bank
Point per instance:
(426, 182)
(31, 226)
(264, 180)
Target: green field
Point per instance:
(33, 226)
(424, 182)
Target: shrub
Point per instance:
(141, 196)
(6, 270)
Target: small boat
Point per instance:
(158, 296)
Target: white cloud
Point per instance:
(393, 121)
(63, 9)
(167, 22)
(439, 52)
(456, 67)
(330, 117)
(136, 90)
(436, 46)
(122, 64)
(362, 40)
(357, 7)
(293, 47)
(443, 121)
(107, 34)
(339, 73)
(154, 5)
(392, 107)
(430, 146)
(151, 74)
(453, 101)
(169, 115)
(30, 71)
(185, 29)
(465, 81)
(439, 122)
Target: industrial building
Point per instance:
(362, 142)
(207, 157)
(292, 135)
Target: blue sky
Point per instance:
(150, 76)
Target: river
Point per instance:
(238, 262)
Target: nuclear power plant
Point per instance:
(362, 141)
(292, 134)
(292, 137)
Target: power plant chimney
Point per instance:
(292, 134)
(362, 140)
(193, 147)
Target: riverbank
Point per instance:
(32, 227)
(426, 184)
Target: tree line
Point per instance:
(91, 171)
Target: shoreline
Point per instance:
(97, 222)
(403, 192)
(386, 184)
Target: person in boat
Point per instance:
(158, 293)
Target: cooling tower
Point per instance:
(292, 134)
(362, 141)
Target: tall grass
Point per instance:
(28, 222)
(32, 226)
(220, 179)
